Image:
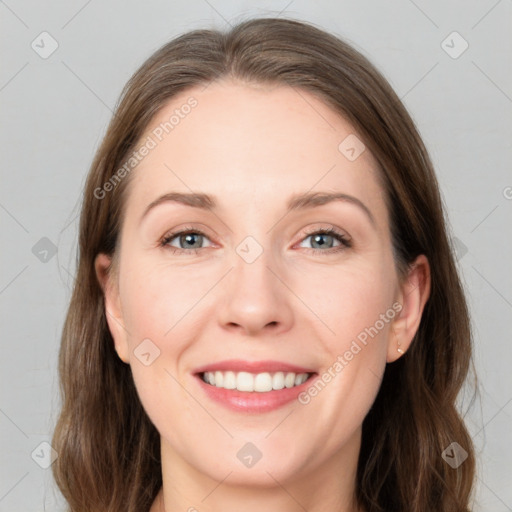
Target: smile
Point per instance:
(260, 382)
(253, 386)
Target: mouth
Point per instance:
(253, 387)
(260, 382)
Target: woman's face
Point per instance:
(252, 292)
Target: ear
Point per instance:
(413, 295)
(113, 312)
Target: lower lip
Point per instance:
(253, 401)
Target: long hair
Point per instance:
(109, 451)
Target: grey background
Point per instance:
(55, 111)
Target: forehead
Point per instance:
(250, 142)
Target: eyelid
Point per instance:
(173, 233)
(327, 228)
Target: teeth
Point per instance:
(278, 380)
(261, 382)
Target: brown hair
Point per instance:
(109, 451)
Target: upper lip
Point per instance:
(238, 365)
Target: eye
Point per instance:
(324, 239)
(190, 240)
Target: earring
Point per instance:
(399, 350)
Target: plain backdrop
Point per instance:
(63, 67)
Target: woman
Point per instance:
(253, 369)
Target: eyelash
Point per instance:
(345, 242)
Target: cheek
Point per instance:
(348, 300)
(156, 306)
(356, 310)
(159, 304)
(156, 298)
(366, 324)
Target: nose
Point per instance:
(255, 298)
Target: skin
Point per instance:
(252, 147)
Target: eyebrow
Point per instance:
(296, 202)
